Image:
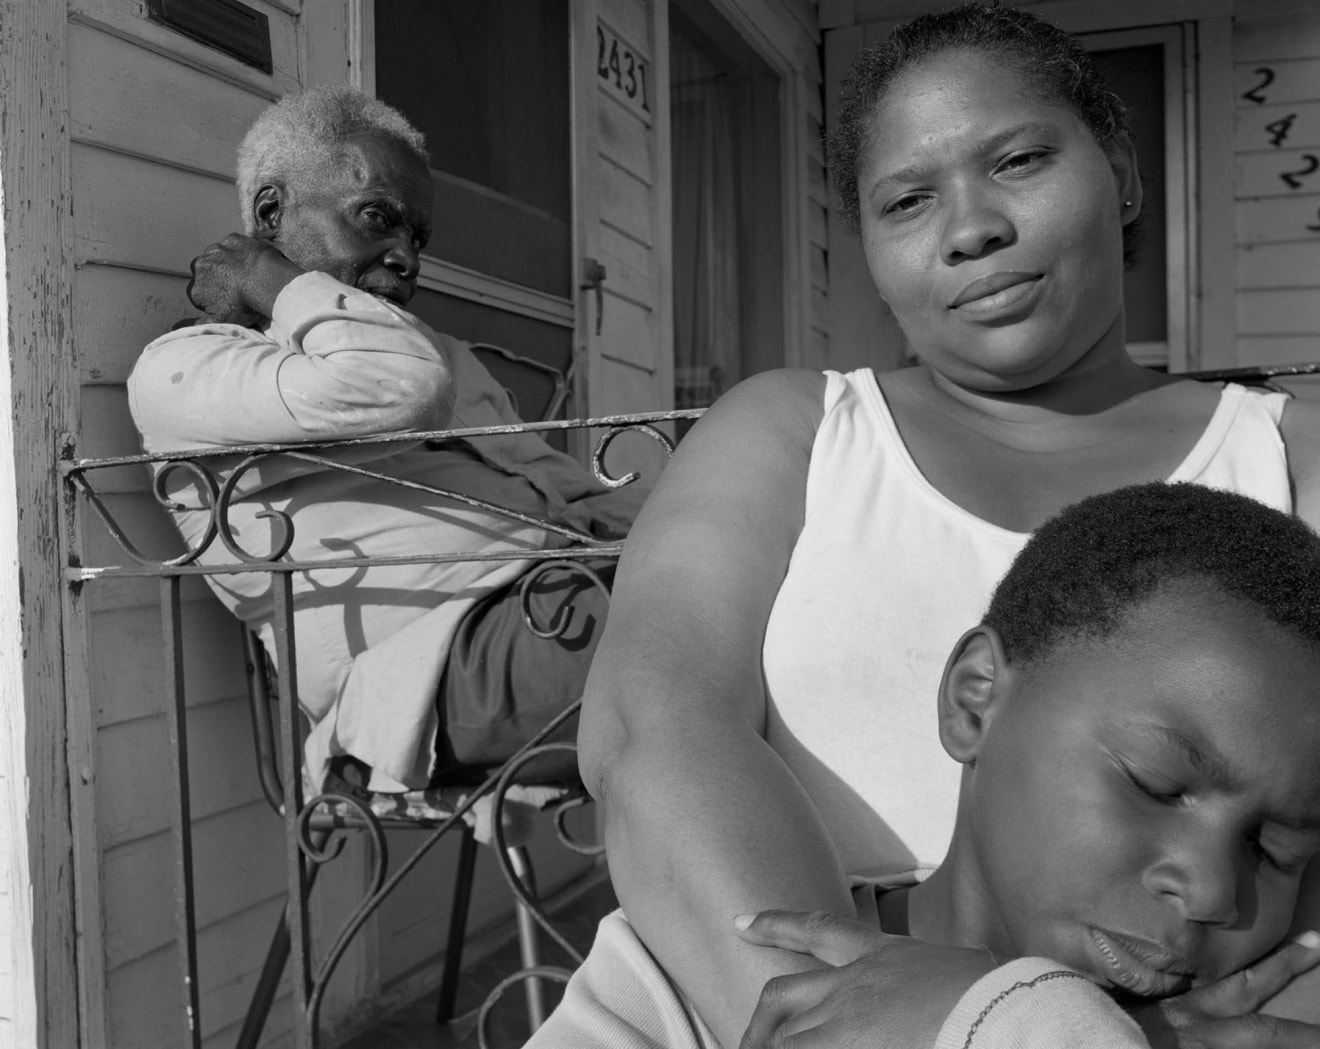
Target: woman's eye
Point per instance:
(1027, 160)
(376, 217)
(905, 205)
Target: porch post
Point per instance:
(39, 996)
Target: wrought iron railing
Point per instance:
(311, 824)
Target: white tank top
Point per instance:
(885, 577)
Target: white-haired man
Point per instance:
(415, 670)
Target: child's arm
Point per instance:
(1029, 1003)
(1033, 1003)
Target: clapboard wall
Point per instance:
(154, 120)
(1276, 145)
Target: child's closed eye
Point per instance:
(1153, 785)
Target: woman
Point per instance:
(759, 721)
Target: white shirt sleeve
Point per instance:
(1033, 1003)
(335, 363)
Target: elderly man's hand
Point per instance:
(878, 992)
(237, 280)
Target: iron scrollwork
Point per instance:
(216, 477)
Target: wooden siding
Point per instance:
(154, 122)
(817, 351)
(630, 357)
(1276, 146)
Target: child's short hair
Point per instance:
(1081, 574)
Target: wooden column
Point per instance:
(36, 404)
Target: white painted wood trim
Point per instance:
(362, 44)
(37, 398)
(772, 31)
(794, 158)
(1086, 16)
(1180, 259)
(1184, 335)
(1074, 16)
(1151, 354)
(125, 23)
(324, 41)
(584, 130)
(662, 213)
(88, 899)
(1215, 294)
(776, 37)
(450, 278)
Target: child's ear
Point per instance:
(266, 208)
(975, 677)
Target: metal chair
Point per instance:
(428, 810)
(486, 822)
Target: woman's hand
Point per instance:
(1224, 1014)
(877, 992)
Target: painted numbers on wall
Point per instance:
(622, 70)
(1298, 172)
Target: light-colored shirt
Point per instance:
(333, 363)
(885, 576)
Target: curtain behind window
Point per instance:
(703, 108)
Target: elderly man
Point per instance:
(415, 670)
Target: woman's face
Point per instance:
(992, 223)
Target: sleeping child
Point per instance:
(1138, 721)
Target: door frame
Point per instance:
(1177, 43)
(779, 41)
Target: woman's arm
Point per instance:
(702, 819)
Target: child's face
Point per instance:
(1142, 808)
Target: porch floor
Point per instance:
(414, 1026)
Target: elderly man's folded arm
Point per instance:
(353, 366)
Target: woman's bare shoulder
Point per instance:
(759, 420)
(785, 396)
(736, 481)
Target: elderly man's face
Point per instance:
(364, 221)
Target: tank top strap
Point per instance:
(1242, 448)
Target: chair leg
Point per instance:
(458, 915)
(277, 956)
(520, 861)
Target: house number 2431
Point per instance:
(622, 69)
